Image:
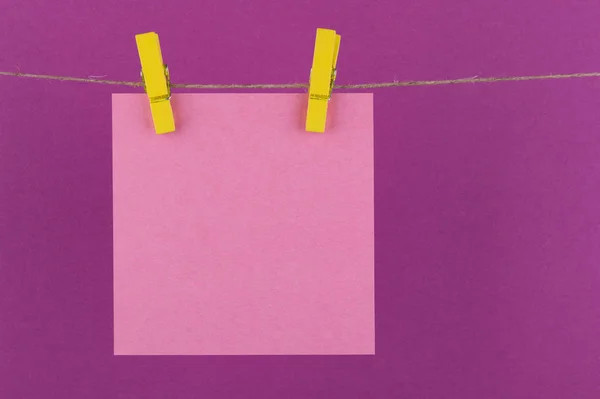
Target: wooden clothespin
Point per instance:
(322, 78)
(155, 76)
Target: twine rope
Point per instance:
(377, 85)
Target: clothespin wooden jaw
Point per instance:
(322, 78)
(156, 80)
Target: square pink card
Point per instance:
(240, 233)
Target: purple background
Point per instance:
(487, 196)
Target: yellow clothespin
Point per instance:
(155, 76)
(322, 78)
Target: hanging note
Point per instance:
(241, 234)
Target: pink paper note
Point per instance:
(241, 233)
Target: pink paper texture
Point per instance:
(241, 233)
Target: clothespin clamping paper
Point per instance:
(155, 77)
(322, 78)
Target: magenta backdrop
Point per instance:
(487, 197)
